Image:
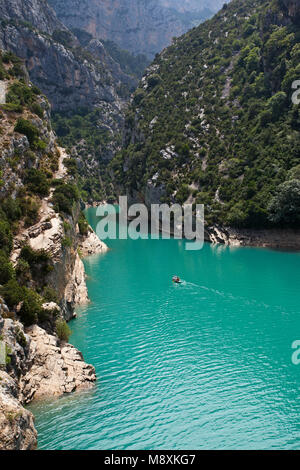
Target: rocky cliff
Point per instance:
(79, 77)
(39, 202)
(143, 26)
(42, 279)
(71, 76)
(37, 366)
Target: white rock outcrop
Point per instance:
(91, 244)
(56, 368)
(17, 431)
(76, 292)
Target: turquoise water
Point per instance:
(203, 365)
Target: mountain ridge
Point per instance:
(140, 26)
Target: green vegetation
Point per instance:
(284, 208)
(22, 94)
(37, 182)
(64, 196)
(12, 293)
(38, 260)
(6, 269)
(31, 310)
(217, 115)
(6, 238)
(90, 142)
(20, 337)
(66, 242)
(23, 126)
(83, 224)
(11, 66)
(130, 64)
(62, 330)
(50, 295)
(83, 125)
(63, 37)
(16, 284)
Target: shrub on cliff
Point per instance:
(27, 128)
(34, 256)
(38, 260)
(83, 224)
(31, 308)
(50, 295)
(62, 330)
(37, 109)
(64, 197)
(30, 208)
(12, 293)
(12, 209)
(6, 269)
(63, 37)
(12, 107)
(37, 182)
(21, 94)
(6, 238)
(23, 272)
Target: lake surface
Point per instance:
(206, 364)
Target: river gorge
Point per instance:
(205, 364)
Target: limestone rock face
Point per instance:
(37, 13)
(37, 366)
(92, 245)
(287, 239)
(67, 277)
(136, 25)
(56, 369)
(76, 291)
(17, 431)
(57, 64)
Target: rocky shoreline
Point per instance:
(278, 239)
(38, 365)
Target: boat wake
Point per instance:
(230, 297)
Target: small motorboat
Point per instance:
(176, 280)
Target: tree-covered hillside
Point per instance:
(213, 119)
